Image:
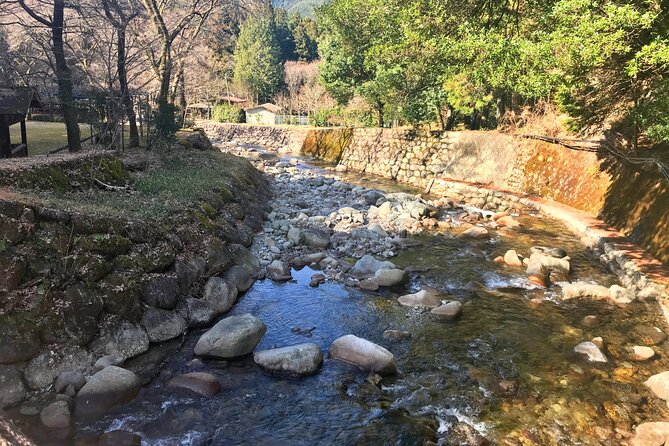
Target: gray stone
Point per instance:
(12, 389)
(106, 361)
(300, 360)
(591, 350)
(448, 311)
(372, 196)
(120, 337)
(189, 271)
(204, 384)
(316, 280)
(378, 229)
(649, 335)
(56, 415)
(279, 271)
(161, 292)
(231, 337)
(295, 236)
(241, 256)
(109, 387)
(390, 277)
(367, 266)
(196, 312)
(238, 276)
(316, 238)
(72, 378)
(45, 367)
(475, 232)
(77, 321)
(220, 294)
(162, 325)
(364, 354)
(423, 298)
(20, 340)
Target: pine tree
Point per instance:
(258, 68)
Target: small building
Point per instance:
(268, 114)
(14, 105)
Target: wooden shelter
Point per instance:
(14, 105)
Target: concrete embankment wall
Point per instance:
(490, 170)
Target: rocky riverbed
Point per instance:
(385, 316)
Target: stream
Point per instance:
(505, 372)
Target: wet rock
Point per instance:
(448, 311)
(161, 292)
(310, 259)
(620, 295)
(120, 337)
(591, 351)
(231, 337)
(119, 438)
(162, 325)
(475, 232)
(56, 415)
(553, 252)
(584, 290)
(511, 258)
(45, 367)
(396, 335)
(598, 341)
(369, 285)
(549, 267)
(279, 271)
(364, 354)
(372, 197)
(109, 387)
(591, 320)
(73, 378)
(649, 335)
(390, 277)
(659, 385)
(300, 360)
(508, 222)
(196, 312)
(368, 266)
(204, 384)
(12, 389)
(423, 298)
(651, 434)
(220, 294)
(239, 277)
(641, 353)
(106, 361)
(316, 280)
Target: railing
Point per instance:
(291, 119)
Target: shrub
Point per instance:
(228, 113)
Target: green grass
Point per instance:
(44, 136)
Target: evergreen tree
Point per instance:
(258, 67)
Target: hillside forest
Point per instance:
(586, 67)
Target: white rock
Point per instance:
(591, 350)
(422, 298)
(303, 359)
(231, 337)
(364, 354)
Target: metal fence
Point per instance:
(292, 119)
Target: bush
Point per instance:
(228, 113)
(321, 118)
(46, 118)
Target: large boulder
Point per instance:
(197, 312)
(220, 294)
(194, 139)
(390, 277)
(161, 325)
(161, 292)
(238, 276)
(12, 389)
(45, 367)
(204, 384)
(109, 387)
(475, 232)
(316, 238)
(76, 322)
(367, 267)
(364, 354)
(120, 337)
(20, 340)
(448, 311)
(231, 337)
(56, 415)
(303, 359)
(279, 271)
(423, 298)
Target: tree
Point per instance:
(258, 68)
(56, 24)
(188, 25)
(304, 38)
(120, 13)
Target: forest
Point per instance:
(600, 67)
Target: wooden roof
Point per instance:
(15, 100)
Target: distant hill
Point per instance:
(304, 7)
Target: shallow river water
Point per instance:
(504, 371)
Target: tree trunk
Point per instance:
(165, 118)
(379, 110)
(125, 92)
(64, 77)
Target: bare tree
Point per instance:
(56, 24)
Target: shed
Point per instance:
(14, 105)
(263, 114)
